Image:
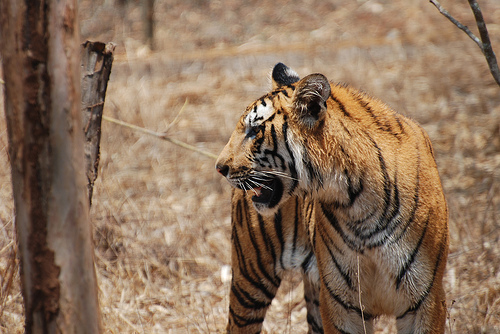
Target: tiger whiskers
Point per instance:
(259, 176)
(243, 185)
(258, 184)
(258, 179)
(277, 173)
(246, 186)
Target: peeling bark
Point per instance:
(97, 59)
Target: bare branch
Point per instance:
(361, 306)
(161, 135)
(484, 43)
(485, 38)
(458, 24)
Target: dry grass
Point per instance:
(161, 214)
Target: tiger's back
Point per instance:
(377, 219)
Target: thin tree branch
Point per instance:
(161, 135)
(484, 43)
(361, 306)
(458, 24)
(485, 38)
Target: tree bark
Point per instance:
(40, 46)
(97, 59)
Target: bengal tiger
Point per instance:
(336, 184)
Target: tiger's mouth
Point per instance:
(268, 192)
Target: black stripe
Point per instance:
(387, 183)
(324, 236)
(385, 174)
(340, 330)
(412, 257)
(307, 163)
(353, 191)
(271, 118)
(416, 197)
(427, 140)
(237, 213)
(429, 145)
(391, 210)
(274, 152)
(341, 106)
(246, 300)
(265, 236)
(244, 268)
(294, 175)
(345, 128)
(296, 226)
(242, 321)
(400, 124)
(257, 143)
(335, 224)
(346, 155)
(255, 283)
(442, 250)
(382, 126)
(308, 300)
(346, 305)
(274, 280)
(311, 171)
(291, 165)
(315, 327)
(278, 227)
(307, 262)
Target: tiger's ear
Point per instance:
(283, 76)
(309, 99)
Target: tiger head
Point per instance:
(265, 152)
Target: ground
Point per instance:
(160, 213)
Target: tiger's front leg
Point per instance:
(249, 299)
(255, 280)
(263, 248)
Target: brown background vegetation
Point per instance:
(160, 213)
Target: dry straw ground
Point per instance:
(160, 213)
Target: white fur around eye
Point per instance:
(259, 114)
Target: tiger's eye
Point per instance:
(252, 132)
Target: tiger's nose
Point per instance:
(222, 169)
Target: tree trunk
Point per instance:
(40, 47)
(97, 59)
